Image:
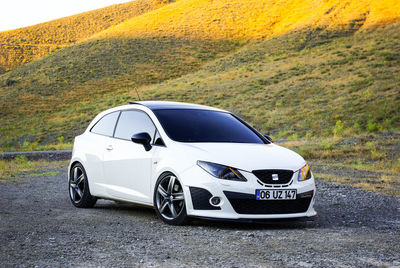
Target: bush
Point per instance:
(357, 127)
(60, 139)
(373, 127)
(374, 153)
(338, 129)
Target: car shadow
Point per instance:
(336, 205)
(148, 213)
(253, 225)
(124, 207)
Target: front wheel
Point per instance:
(79, 188)
(169, 200)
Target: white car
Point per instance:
(186, 161)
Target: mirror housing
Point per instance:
(269, 138)
(142, 138)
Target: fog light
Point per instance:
(215, 201)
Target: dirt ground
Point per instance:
(40, 227)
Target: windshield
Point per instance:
(187, 125)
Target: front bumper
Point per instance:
(238, 198)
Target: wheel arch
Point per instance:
(158, 176)
(74, 161)
(180, 216)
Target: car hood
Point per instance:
(246, 156)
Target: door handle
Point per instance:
(109, 147)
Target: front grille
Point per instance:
(200, 199)
(266, 175)
(247, 204)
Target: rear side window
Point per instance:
(133, 122)
(105, 126)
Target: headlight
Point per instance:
(221, 171)
(304, 173)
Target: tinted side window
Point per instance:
(105, 126)
(132, 122)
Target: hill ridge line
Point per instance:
(65, 31)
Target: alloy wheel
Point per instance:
(77, 184)
(170, 200)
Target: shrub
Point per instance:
(357, 127)
(327, 145)
(373, 127)
(338, 129)
(374, 153)
(388, 56)
(60, 139)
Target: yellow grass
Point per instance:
(384, 185)
(30, 43)
(331, 76)
(238, 19)
(198, 19)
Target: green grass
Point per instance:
(35, 146)
(337, 82)
(58, 95)
(387, 185)
(332, 84)
(369, 162)
(375, 153)
(22, 167)
(40, 174)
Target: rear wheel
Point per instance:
(79, 188)
(169, 200)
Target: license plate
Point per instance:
(275, 194)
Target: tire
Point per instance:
(169, 200)
(78, 188)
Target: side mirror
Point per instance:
(142, 138)
(269, 138)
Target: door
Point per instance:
(94, 146)
(127, 165)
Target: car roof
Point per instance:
(165, 105)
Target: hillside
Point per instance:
(254, 19)
(26, 44)
(330, 73)
(33, 95)
(291, 86)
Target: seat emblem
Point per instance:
(275, 177)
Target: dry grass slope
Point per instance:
(23, 45)
(331, 69)
(254, 19)
(33, 94)
(326, 69)
(303, 84)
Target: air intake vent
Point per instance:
(247, 204)
(200, 199)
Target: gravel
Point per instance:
(40, 227)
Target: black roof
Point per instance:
(163, 105)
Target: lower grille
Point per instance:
(247, 204)
(200, 199)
